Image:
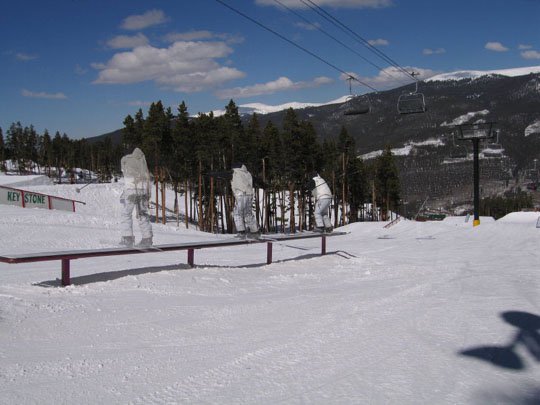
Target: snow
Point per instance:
(534, 128)
(260, 108)
(30, 180)
(462, 119)
(475, 74)
(406, 149)
(384, 318)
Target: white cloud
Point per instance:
(331, 3)
(184, 66)
(530, 54)
(523, 47)
(281, 84)
(127, 41)
(25, 56)
(50, 96)
(438, 51)
(378, 42)
(202, 35)
(388, 78)
(495, 46)
(138, 103)
(308, 26)
(148, 19)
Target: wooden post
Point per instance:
(343, 192)
(265, 196)
(191, 257)
(186, 203)
(268, 252)
(292, 221)
(163, 190)
(323, 245)
(374, 215)
(156, 179)
(200, 219)
(211, 205)
(65, 272)
(335, 199)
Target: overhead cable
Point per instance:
(327, 16)
(294, 44)
(332, 37)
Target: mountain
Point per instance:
(432, 164)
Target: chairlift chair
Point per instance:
(458, 151)
(358, 105)
(411, 103)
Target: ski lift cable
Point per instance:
(292, 43)
(323, 13)
(312, 24)
(326, 15)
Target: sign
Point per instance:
(29, 199)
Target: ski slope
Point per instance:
(386, 317)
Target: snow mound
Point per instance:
(462, 119)
(534, 128)
(520, 217)
(23, 181)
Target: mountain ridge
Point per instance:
(426, 150)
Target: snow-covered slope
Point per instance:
(419, 313)
(260, 108)
(475, 74)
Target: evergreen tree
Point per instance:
(15, 145)
(182, 144)
(253, 138)
(155, 129)
(129, 135)
(387, 182)
(2, 152)
(47, 152)
(232, 138)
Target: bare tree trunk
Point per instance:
(374, 215)
(335, 198)
(212, 214)
(163, 190)
(292, 224)
(156, 180)
(199, 212)
(186, 203)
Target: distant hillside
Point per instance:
(432, 164)
(116, 137)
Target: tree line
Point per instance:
(183, 152)
(58, 155)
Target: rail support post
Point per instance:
(323, 245)
(65, 272)
(268, 252)
(191, 257)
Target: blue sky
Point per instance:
(80, 66)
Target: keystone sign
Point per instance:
(28, 199)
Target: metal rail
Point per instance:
(66, 256)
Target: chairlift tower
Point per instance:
(475, 133)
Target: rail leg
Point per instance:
(268, 252)
(191, 257)
(323, 245)
(65, 272)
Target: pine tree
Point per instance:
(387, 182)
(2, 152)
(129, 135)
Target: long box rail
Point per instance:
(67, 256)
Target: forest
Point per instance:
(184, 153)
